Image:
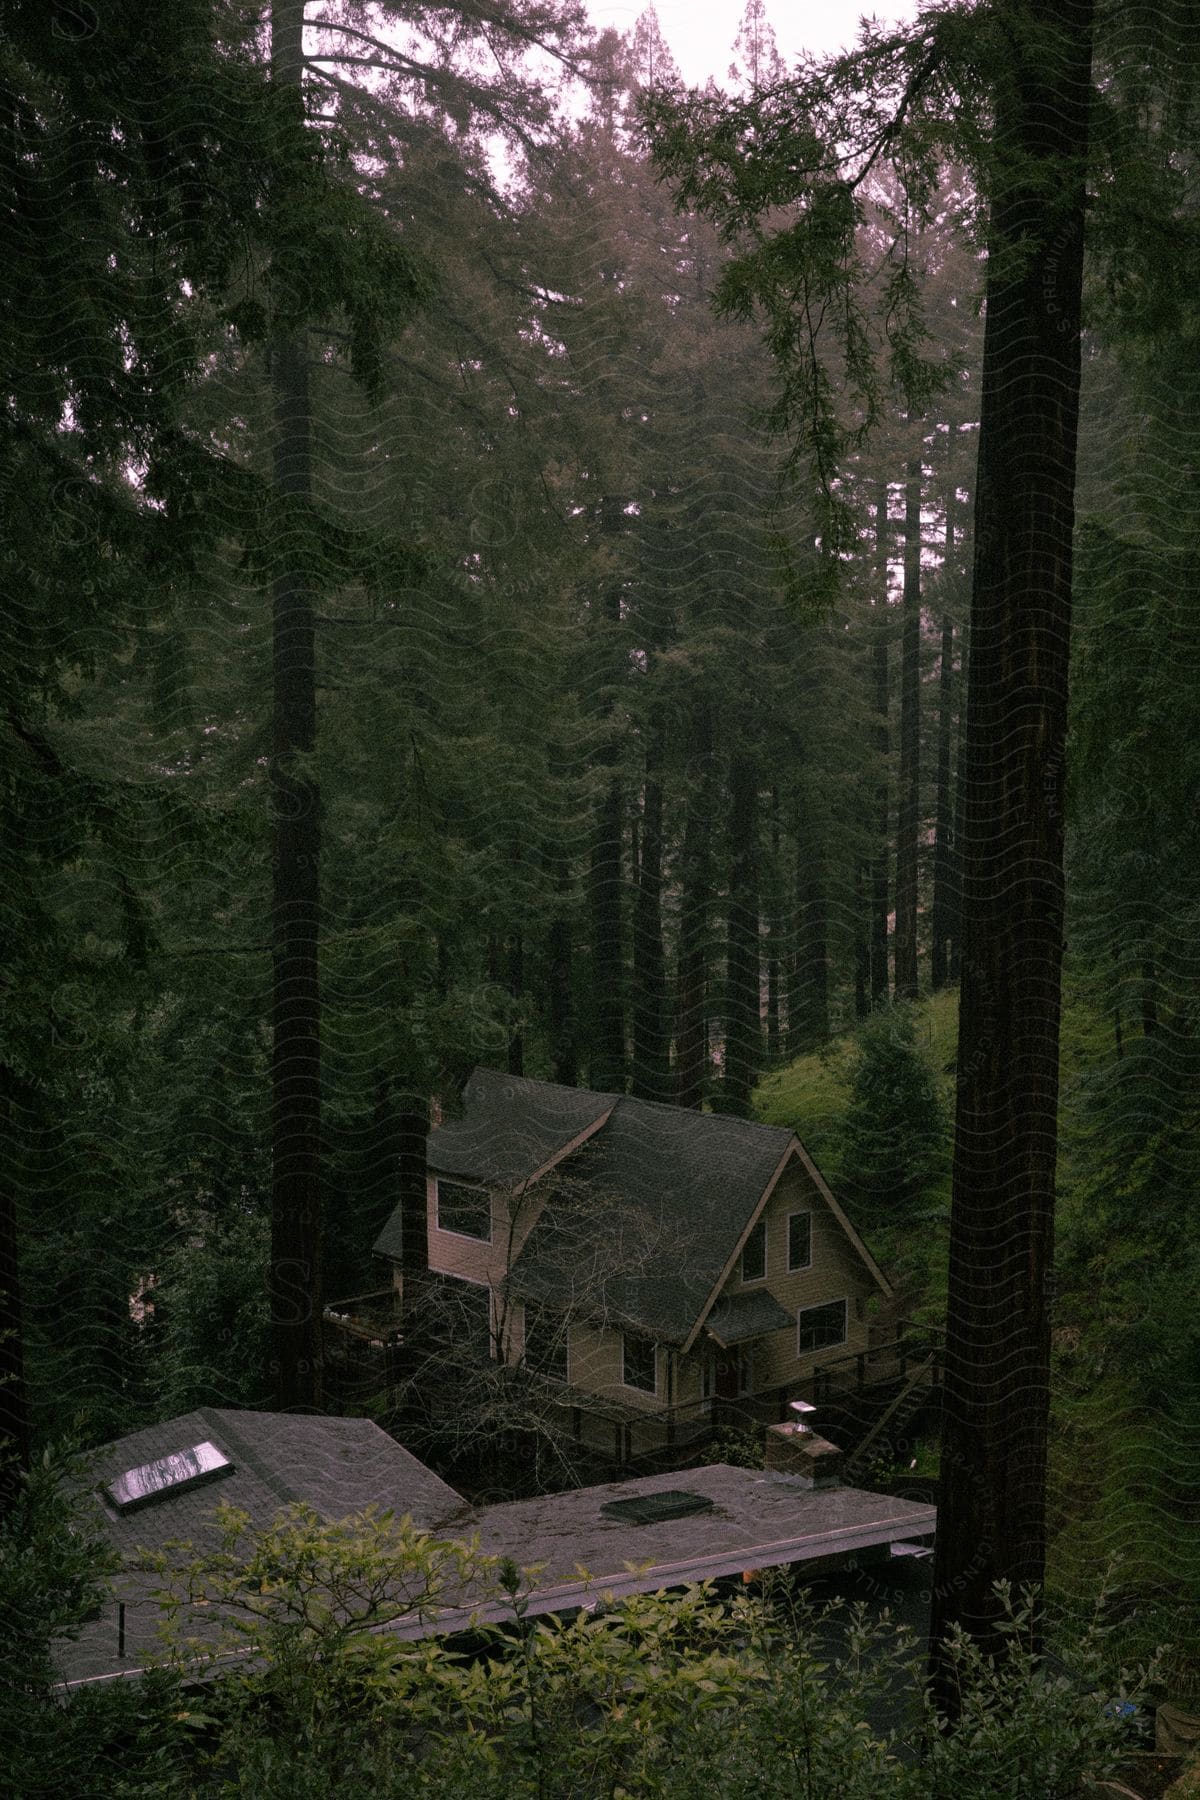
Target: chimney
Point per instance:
(799, 1456)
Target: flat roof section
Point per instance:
(757, 1520)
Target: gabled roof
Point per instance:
(653, 1209)
(513, 1129)
(336, 1466)
(669, 1193)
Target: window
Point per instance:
(640, 1364)
(799, 1241)
(545, 1342)
(169, 1475)
(754, 1253)
(821, 1326)
(466, 1211)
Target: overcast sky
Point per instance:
(701, 32)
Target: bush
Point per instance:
(662, 1697)
(896, 1129)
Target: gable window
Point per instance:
(799, 1241)
(754, 1253)
(639, 1364)
(821, 1326)
(466, 1211)
(545, 1342)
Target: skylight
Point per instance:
(172, 1474)
(649, 1509)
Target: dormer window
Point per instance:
(754, 1254)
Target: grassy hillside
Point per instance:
(810, 1097)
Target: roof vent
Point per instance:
(649, 1509)
(172, 1474)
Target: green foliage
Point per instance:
(741, 1449)
(676, 1696)
(895, 1131)
(210, 1327)
(52, 1574)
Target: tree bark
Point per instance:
(774, 937)
(651, 1040)
(862, 945)
(516, 988)
(295, 1265)
(939, 949)
(808, 1000)
(559, 958)
(879, 867)
(992, 1494)
(908, 817)
(695, 904)
(14, 1417)
(743, 1029)
(606, 1063)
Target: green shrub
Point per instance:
(895, 1131)
(666, 1697)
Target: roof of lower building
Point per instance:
(336, 1466)
(756, 1520)
(577, 1547)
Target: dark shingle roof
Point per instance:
(738, 1317)
(512, 1127)
(337, 1466)
(649, 1216)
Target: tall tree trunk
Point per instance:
(14, 1418)
(775, 930)
(992, 1495)
(559, 959)
(879, 866)
(1149, 1003)
(516, 988)
(651, 1039)
(412, 1134)
(862, 944)
(908, 816)
(695, 905)
(954, 861)
(295, 1265)
(743, 1029)
(939, 950)
(808, 1000)
(606, 1062)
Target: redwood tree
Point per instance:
(1007, 87)
(908, 815)
(991, 1518)
(295, 1265)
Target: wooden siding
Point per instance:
(836, 1272)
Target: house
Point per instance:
(162, 1485)
(654, 1262)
